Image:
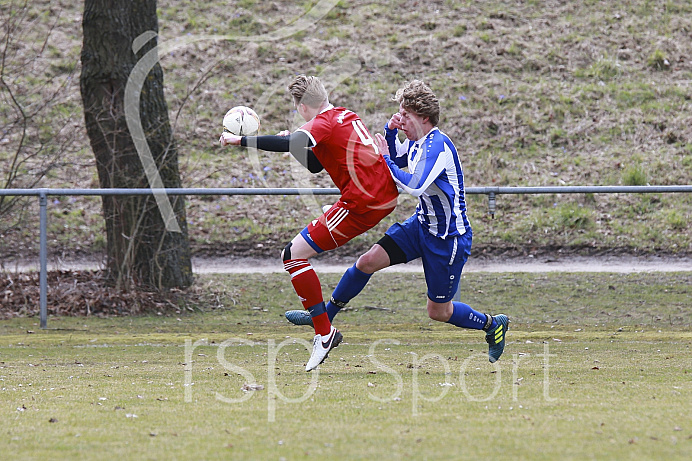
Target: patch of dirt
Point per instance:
(553, 263)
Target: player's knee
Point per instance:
(365, 263)
(433, 314)
(439, 312)
(286, 252)
(372, 261)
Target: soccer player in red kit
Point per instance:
(334, 139)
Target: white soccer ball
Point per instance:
(241, 121)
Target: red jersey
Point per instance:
(346, 150)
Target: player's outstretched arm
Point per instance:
(298, 144)
(229, 139)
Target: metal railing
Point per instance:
(491, 192)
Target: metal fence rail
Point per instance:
(491, 192)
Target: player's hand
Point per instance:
(228, 139)
(381, 144)
(394, 122)
(284, 133)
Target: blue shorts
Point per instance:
(443, 259)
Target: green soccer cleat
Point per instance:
(496, 338)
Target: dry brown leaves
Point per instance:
(77, 293)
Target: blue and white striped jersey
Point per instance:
(434, 176)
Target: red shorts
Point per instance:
(338, 225)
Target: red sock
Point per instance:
(307, 286)
(322, 324)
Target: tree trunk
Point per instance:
(140, 250)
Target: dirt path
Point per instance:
(620, 264)
(571, 264)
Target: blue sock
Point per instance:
(352, 282)
(464, 316)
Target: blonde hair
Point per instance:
(308, 91)
(417, 97)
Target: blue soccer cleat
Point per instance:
(299, 317)
(496, 337)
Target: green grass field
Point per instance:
(597, 366)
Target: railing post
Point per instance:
(43, 256)
(457, 295)
(491, 204)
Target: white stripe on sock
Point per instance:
(298, 272)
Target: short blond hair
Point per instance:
(417, 97)
(308, 91)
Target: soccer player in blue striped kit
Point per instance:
(438, 232)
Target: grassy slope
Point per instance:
(532, 93)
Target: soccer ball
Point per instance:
(241, 121)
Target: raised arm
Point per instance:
(397, 151)
(428, 168)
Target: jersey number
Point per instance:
(363, 134)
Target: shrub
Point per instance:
(676, 220)
(634, 175)
(658, 60)
(573, 216)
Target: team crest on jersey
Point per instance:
(340, 118)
